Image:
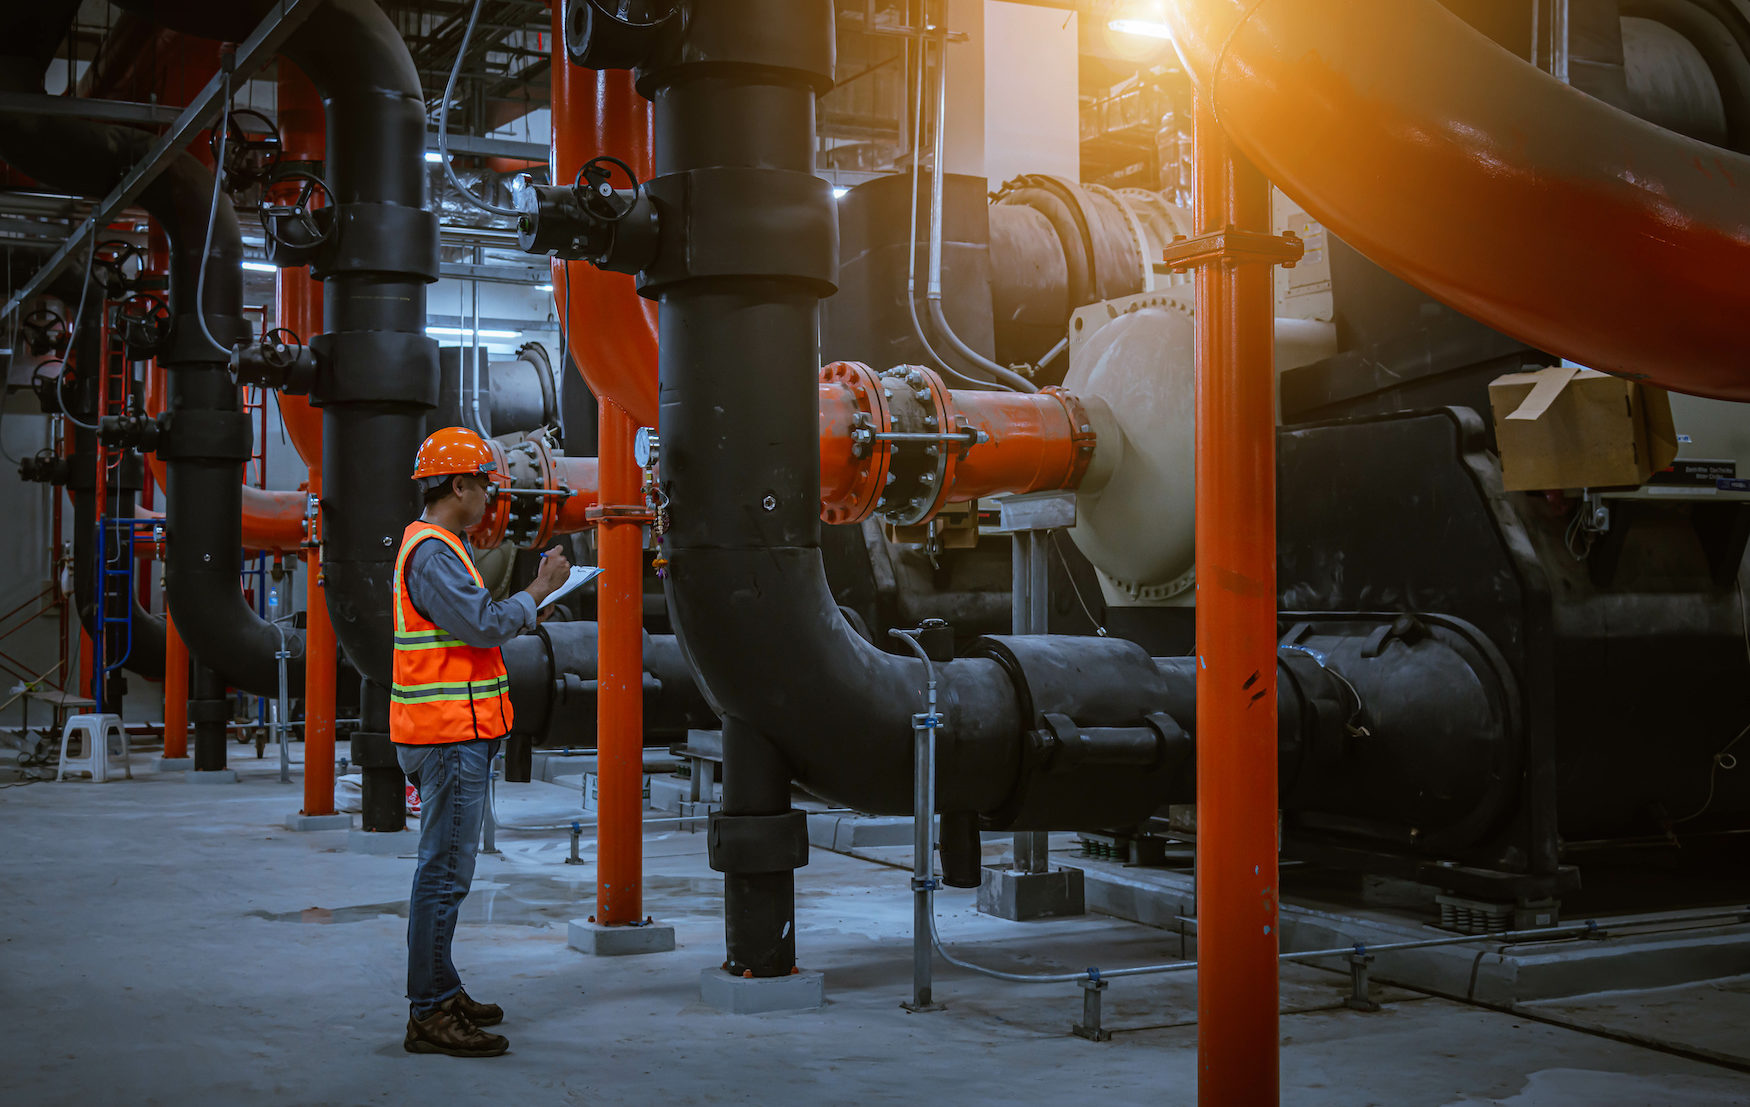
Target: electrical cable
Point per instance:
(200, 284)
(1000, 377)
(911, 272)
(72, 343)
(444, 125)
(1063, 559)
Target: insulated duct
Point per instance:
(1609, 241)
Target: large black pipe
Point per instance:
(379, 371)
(207, 437)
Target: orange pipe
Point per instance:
(299, 308)
(1236, 639)
(610, 329)
(580, 474)
(1028, 442)
(175, 691)
(613, 341)
(1490, 185)
(272, 521)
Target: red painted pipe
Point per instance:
(612, 339)
(1236, 640)
(175, 691)
(303, 134)
(1485, 182)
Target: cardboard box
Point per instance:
(1567, 427)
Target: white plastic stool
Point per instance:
(95, 732)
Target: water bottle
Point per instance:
(273, 604)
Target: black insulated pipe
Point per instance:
(379, 371)
(207, 437)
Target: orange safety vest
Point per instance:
(445, 690)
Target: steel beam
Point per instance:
(258, 49)
(478, 147)
(81, 107)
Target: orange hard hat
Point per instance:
(453, 451)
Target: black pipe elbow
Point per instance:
(379, 370)
(208, 437)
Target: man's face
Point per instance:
(471, 492)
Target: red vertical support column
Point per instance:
(175, 691)
(600, 113)
(1236, 631)
(620, 680)
(299, 307)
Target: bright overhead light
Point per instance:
(839, 193)
(434, 157)
(468, 332)
(260, 267)
(1144, 28)
(543, 288)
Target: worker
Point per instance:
(449, 707)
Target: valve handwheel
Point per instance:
(43, 330)
(252, 148)
(144, 319)
(594, 187)
(300, 212)
(111, 267)
(281, 348)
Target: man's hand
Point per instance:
(554, 570)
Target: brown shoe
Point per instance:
(447, 1030)
(480, 1014)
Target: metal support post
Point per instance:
(1031, 592)
(1090, 1027)
(1237, 985)
(1359, 998)
(923, 822)
(489, 824)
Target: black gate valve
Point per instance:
(44, 467)
(590, 220)
(279, 361)
(43, 331)
(298, 224)
(615, 34)
(118, 267)
(252, 149)
(131, 430)
(144, 321)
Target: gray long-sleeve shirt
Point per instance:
(440, 588)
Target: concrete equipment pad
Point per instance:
(756, 995)
(618, 941)
(318, 822)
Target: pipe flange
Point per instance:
(870, 420)
(920, 474)
(1081, 433)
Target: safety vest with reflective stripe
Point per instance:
(445, 690)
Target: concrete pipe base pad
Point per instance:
(756, 995)
(393, 842)
(175, 764)
(318, 822)
(618, 941)
(1017, 896)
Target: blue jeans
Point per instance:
(452, 783)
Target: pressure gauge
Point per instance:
(646, 447)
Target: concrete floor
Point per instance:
(169, 943)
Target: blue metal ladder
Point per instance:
(117, 539)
